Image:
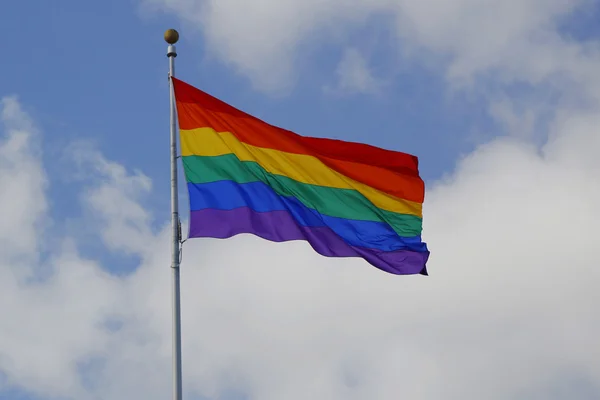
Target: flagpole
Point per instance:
(171, 37)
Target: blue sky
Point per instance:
(103, 81)
(498, 100)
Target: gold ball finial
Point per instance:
(171, 36)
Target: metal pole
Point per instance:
(171, 37)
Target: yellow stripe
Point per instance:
(300, 167)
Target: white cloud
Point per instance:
(268, 40)
(115, 200)
(50, 308)
(515, 119)
(262, 38)
(22, 181)
(354, 75)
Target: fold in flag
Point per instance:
(345, 199)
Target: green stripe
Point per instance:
(342, 203)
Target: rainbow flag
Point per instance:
(345, 199)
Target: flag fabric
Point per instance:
(345, 199)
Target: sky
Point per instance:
(500, 100)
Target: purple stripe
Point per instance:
(279, 226)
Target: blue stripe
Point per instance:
(228, 195)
